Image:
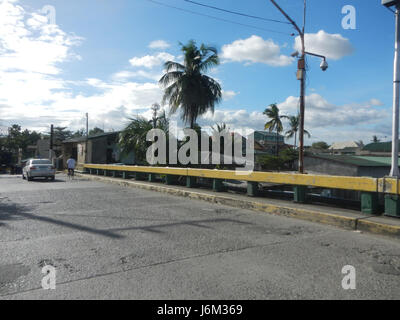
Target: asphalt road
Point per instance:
(110, 242)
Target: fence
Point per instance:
(369, 187)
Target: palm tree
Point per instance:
(294, 128)
(133, 137)
(375, 139)
(275, 122)
(187, 87)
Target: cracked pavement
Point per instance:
(111, 242)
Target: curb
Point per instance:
(336, 220)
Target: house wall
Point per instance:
(324, 166)
(374, 172)
(97, 150)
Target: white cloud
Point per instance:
(333, 46)
(227, 95)
(335, 123)
(376, 102)
(255, 50)
(235, 119)
(159, 44)
(141, 74)
(151, 61)
(33, 91)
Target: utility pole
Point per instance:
(301, 75)
(51, 142)
(87, 137)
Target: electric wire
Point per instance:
(235, 12)
(220, 19)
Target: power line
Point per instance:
(390, 9)
(216, 18)
(237, 13)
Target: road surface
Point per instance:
(111, 242)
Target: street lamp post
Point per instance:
(394, 171)
(301, 75)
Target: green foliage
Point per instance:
(375, 139)
(95, 130)
(16, 139)
(187, 87)
(133, 137)
(294, 122)
(320, 145)
(275, 122)
(284, 161)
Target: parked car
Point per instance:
(36, 168)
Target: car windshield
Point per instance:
(41, 162)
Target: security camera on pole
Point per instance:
(301, 75)
(394, 171)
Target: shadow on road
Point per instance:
(196, 223)
(11, 211)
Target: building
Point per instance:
(100, 149)
(378, 149)
(266, 142)
(348, 165)
(347, 147)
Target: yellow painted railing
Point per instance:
(366, 184)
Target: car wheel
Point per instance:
(53, 178)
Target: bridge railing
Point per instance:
(369, 187)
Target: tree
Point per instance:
(17, 139)
(133, 137)
(375, 139)
(60, 134)
(187, 87)
(95, 130)
(320, 145)
(275, 122)
(78, 133)
(294, 128)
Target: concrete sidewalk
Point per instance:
(338, 217)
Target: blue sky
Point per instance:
(98, 58)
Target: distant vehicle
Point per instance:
(36, 168)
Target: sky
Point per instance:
(60, 59)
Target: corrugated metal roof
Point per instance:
(379, 147)
(344, 145)
(99, 135)
(360, 161)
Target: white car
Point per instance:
(36, 168)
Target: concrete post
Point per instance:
(252, 189)
(369, 203)
(218, 185)
(300, 194)
(191, 182)
(392, 205)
